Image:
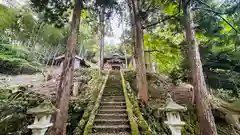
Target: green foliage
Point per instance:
(165, 48)
(54, 11)
(14, 59)
(8, 17)
(13, 110)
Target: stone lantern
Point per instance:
(172, 110)
(42, 115)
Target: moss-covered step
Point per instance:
(113, 103)
(112, 116)
(113, 107)
(121, 133)
(111, 128)
(113, 98)
(112, 111)
(111, 121)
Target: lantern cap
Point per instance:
(44, 108)
(172, 106)
(175, 123)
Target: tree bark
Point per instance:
(207, 124)
(142, 84)
(102, 37)
(125, 53)
(65, 84)
(133, 32)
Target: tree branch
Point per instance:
(160, 21)
(154, 51)
(179, 6)
(208, 9)
(217, 13)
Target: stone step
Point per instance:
(113, 107)
(113, 87)
(111, 116)
(111, 129)
(113, 103)
(105, 133)
(113, 94)
(112, 111)
(113, 99)
(122, 96)
(111, 121)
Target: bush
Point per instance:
(14, 59)
(10, 65)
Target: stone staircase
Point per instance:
(112, 117)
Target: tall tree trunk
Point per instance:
(139, 55)
(125, 53)
(207, 124)
(65, 84)
(79, 41)
(102, 37)
(133, 31)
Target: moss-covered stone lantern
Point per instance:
(172, 110)
(42, 115)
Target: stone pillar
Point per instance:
(75, 88)
(153, 67)
(42, 115)
(172, 110)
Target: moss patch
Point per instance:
(143, 125)
(133, 123)
(13, 110)
(15, 59)
(89, 125)
(89, 95)
(158, 86)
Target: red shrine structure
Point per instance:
(115, 62)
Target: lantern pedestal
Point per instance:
(42, 118)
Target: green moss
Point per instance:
(86, 114)
(15, 59)
(143, 125)
(88, 127)
(91, 94)
(190, 117)
(14, 106)
(12, 65)
(133, 123)
(141, 121)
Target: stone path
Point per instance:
(112, 117)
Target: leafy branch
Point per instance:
(217, 13)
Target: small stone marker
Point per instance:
(75, 88)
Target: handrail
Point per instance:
(129, 106)
(89, 125)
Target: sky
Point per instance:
(117, 31)
(13, 3)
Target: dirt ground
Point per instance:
(36, 80)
